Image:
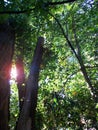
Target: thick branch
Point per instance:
(30, 10)
(59, 3)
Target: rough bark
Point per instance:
(27, 116)
(6, 53)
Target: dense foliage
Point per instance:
(68, 82)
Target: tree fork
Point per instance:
(27, 115)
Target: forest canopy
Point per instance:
(53, 45)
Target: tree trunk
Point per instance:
(21, 84)
(20, 80)
(80, 60)
(78, 56)
(6, 53)
(27, 116)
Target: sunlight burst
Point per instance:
(13, 72)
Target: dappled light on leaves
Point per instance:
(68, 88)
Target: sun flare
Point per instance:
(13, 72)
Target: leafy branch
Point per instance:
(70, 76)
(78, 56)
(32, 9)
(64, 34)
(83, 68)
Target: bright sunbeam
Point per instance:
(13, 72)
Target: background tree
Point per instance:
(6, 53)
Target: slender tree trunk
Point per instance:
(80, 60)
(20, 80)
(27, 116)
(6, 53)
(21, 84)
